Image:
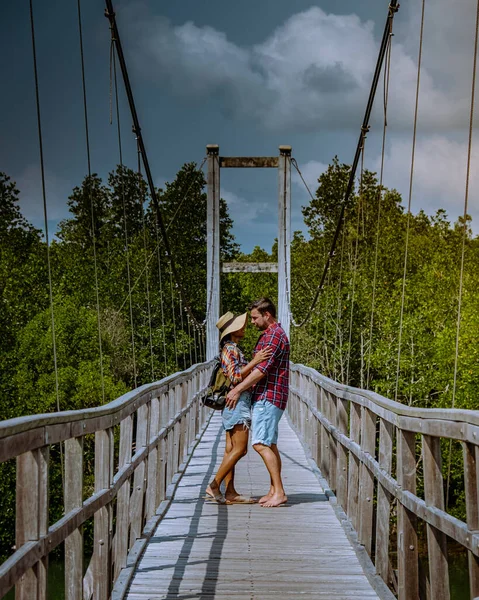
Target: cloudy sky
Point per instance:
(248, 76)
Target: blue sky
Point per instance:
(248, 76)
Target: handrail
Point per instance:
(135, 463)
(368, 448)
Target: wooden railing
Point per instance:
(368, 448)
(140, 441)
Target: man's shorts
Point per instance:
(265, 419)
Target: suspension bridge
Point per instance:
(364, 474)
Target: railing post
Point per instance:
(471, 466)
(137, 495)
(32, 518)
(342, 464)
(101, 528)
(171, 437)
(366, 480)
(333, 444)
(123, 502)
(408, 573)
(163, 450)
(325, 446)
(318, 392)
(384, 499)
(152, 480)
(434, 496)
(353, 474)
(73, 500)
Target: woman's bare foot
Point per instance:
(239, 499)
(275, 500)
(213, 491)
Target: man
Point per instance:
(270, 379)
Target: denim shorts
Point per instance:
(265, 420)
(240, 415)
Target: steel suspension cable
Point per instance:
(411, 178)
(294, 162)
(339, 313)
(173, 316)
(392, 9)
(125, 228)
(189, 340)
(356, 251)
(162, 308)
(156, 250)
(146, 269)
(182, 328)
(195, 348)
(110, 14)
(464, 237)
(87, 137)
(387, 77)
(45, 217)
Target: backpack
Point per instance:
(218, 387)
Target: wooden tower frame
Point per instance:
(282, 267)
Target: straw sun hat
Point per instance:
(228, 323)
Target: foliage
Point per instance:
(113, 288)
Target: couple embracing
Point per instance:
(257, 400)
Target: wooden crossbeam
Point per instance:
(249, 267)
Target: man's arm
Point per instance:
(249, 381)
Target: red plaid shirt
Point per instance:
(274, 386)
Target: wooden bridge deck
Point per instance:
(204, 550)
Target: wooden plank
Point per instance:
(353, 471)
(434, 496)
(249, 267)
(201, 549)
(73, 500)
(366, 480)
(384, 500)
(242, 162)
(471, 482)
(408, 574)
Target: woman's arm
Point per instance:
(259, 357)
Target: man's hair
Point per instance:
(264, 305)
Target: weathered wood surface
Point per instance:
(242, 162)
(205, 550)
(249, 267)
(122, 483)
(380, 443)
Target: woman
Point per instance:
(237, 421)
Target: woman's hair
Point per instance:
(227, 338)
(264, 305)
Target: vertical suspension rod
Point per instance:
(393, 8)
(110, 14)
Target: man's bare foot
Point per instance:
(275, 500)
(266, 497)
(213, 491)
